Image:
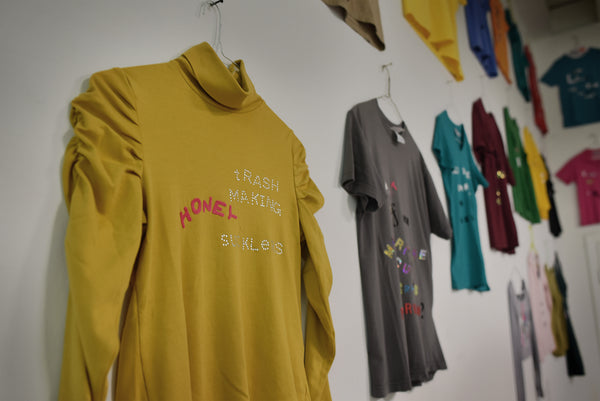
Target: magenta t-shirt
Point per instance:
(584, 169)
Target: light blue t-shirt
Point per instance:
(578, 80)
(461, 178)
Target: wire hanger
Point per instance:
(388, 96)
(578, 49)
(595, 146)
(482, 87)
(450, 107)
(217, 45)
(519, 278)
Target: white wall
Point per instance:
(310, 68)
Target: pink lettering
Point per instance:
(217, 208)
(196, 206)
(231, 215)
(185, 214)
(207, 206)
(406, 268)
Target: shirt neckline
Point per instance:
(460, 127)
(227, 86)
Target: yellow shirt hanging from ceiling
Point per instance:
(539, 174)
(435, 23)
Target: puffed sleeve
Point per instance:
(101, 176)
(317, 278)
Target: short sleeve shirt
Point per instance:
(578, 80)
(479, 35)
(584, 170)
(397, 210)
(539, 174)
(536, 99)
(500, 29)
(461, 179)
(518, 56)
(523, 193)
(541, 305)
(489, 151)
(435, 23)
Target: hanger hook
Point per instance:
(217, 45)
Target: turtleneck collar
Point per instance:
(229, 86)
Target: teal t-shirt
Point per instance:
(578, 80)
(461, 178)
(518, 56)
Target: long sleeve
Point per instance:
(317, 277)
(102, 187)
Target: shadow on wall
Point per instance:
(57, 285)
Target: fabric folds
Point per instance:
(186, 192)
(363, 17)
(435, 23)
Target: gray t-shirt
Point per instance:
(397, 210)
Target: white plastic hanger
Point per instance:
(217, 45)
(386, 103)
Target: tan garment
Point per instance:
(362, 16)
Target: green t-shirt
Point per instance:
(523, 195)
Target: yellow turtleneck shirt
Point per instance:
(191, 205)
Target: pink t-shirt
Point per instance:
(541, 305)
(584, 169)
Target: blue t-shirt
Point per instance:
(518, 56)
(461, 178)
(578, 80)
(479, 35)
